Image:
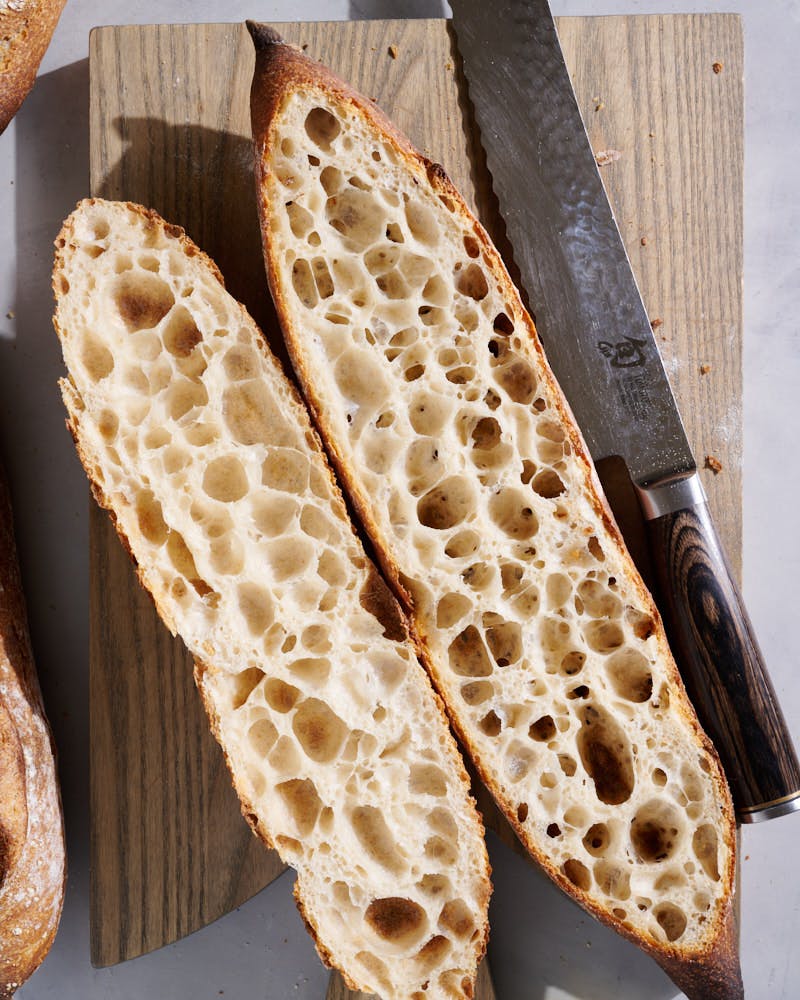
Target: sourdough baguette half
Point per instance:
(429, 387)
(32, 855)
(26, 27)
(201, 449)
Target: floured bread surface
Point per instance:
(431, 391)
(197, 443)
(32, 851)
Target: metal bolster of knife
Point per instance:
(673, 494)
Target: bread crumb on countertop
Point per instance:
(714, 464)
(607, 156)
(717, 67)
(656, 323)
(705, 369)
(393, 51)
(643, 241)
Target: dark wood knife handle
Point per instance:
(721, 664)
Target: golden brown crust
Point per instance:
(375, 595)
(32, 857)
(711, 971)
(26, 27)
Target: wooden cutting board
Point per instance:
(170, 128)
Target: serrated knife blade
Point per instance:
(599, 342)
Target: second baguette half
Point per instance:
(198, 445)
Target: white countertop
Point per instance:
(261, 950)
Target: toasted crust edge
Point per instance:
(395, 616)
(707, 973)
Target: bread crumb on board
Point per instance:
(713, 463)
(607, 156)
(393, 51)
(643, 241)
(656, 323)
(705, 369)
(717, 67)
(599, 106)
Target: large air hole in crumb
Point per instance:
(301, 221)
(599, 601)
(227, 555)
(357, 217)
(630, 676)
(642, 623)
(451, 609)
(479, 576)
(518, 379)
(184, 396)
(302, 803)
(273, 515)
(606, 755)
(423, 466)
(578, 874)
(510, 510)
(322, 128)
(290, 557)
(262, 736)
(704, 845)
(142, 300)
(397, 921)
(428, 414)
(180, 334)
(286, 470)
(491, 724)
(457, 919)
(281, 697)
(548, 484)
(655, 831)
(505, 643)
(225, 479)
(96, 357)
(374, 835)
(303, 283)
(597, 839)
(671, 919)
(471, 281)
(463, 544)
(468, 656)
(447, 505)
(244, 683)
(518, 761)
(543, 730)
(319, 731)
(256, 607)
(612, 879)
(150, 518)
(603, 636)
(432, 954)
(422, 223)
(312, 670)
(427, 779)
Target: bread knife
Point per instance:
(599, 342)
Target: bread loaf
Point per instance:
(429, 387)
(26, 27)
(32, 857)
(202, 451)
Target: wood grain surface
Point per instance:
(170, 128)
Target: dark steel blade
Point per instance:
(570, 255)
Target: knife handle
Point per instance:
(721, 664)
